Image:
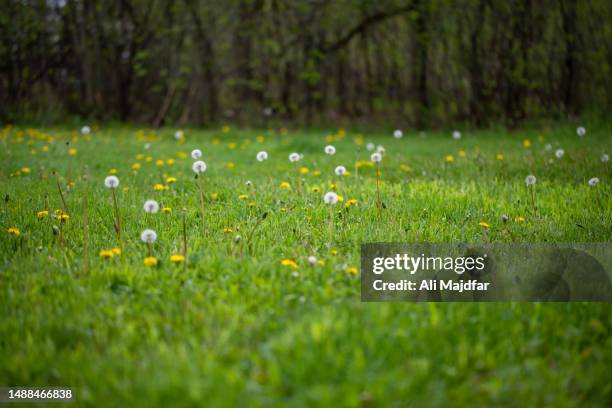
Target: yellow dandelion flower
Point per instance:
(214, 196)
(148, 159)
(45, 148)
(227, 230)
(316, 173)
(251, 204)
(72, 152)
(170, 162)
(526, 143)
(231, 146)
(159, 163)
(135, 166)
(332, 186)
(177, 258)
(226, 129)
(170, 180)
(483, 224)
(112, 171)
(13, 231)
(167, 210)
(519, 219)
(230, 165)
(160, 187)
(315, 189)
(499, 157)
(351, 270)
(140, 156)
(351, 202)
(285, 184)
(182, 155)
(283, 209)
(461, 153)
(42, 214)
(289, 262)
(150, 261)
(260, 139)
(340, 198)
(26, 170)
(333, 252)
(363, 163)
(405, 168)
(450, 158)
(64, 217)
(243, 196)
(125, 189)
(116, 251)
(106, 254)
(304, 170)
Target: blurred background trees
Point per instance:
(407, 62)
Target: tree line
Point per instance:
(411, 62)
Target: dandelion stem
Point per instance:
(184, 234)
(117, 217)
(378, 190)
(59, 188)
(199, 182)
(331, 226)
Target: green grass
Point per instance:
(235, 327)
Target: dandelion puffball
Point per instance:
(151, 206)
(293, 157)
(178, 134)
(530, 180)
(605, 158)
(199, 167)
(261, 156)
(330, 198)
(312, 260)
(559, 153)
(398, 134)
(376, 157)
(85, 130)
(380, 149)
(580, 131)
(111, 182)
(456, 135)
(148, 236)
(370, 146)
(340, 171)
(196, 154)
(330, 150)
(593, 182)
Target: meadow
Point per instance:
(250, 293)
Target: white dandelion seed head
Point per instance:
(237, 238)
(456, 135)
(312, 260)
(196, 154)
(559, 153)
(293, 157)
(330, 150)
(111, 182)
(248, 183)
(530, 180)
(85, 130)
(330, 198)
(605, 158)
(151, 206)
(198, 167)
(147, 146)
(178, 134)
(580, 131)
(262, 156)
(594, 181)
(376, 157)
(148, 236)
(398, 134)
(370, 146)
(340, 171)
(548, 146)
(380, 149)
